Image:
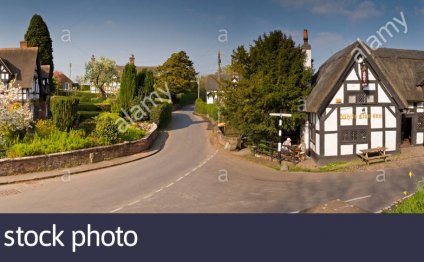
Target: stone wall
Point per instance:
(12, 166)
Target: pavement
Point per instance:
(191, 175)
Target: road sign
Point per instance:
(281, 115)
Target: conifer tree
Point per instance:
(127, 91)
(38, 35)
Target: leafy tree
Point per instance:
(38, 35)
(100, 73)
(127, 91)
(274, 79)
(178, 72)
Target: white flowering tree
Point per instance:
(15, 118)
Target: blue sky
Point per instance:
(152, 30)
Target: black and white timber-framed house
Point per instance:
(363, 99)
(21, 66)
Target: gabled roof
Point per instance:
(22, 63)
(403, 70)
(4, 64)
(327, 77)
(212, 83)
(62, 78)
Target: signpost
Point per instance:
(280, 132)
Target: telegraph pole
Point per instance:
(70, 70)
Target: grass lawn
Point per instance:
(413, 205)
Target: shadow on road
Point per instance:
(181, 121)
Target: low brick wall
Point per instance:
(12, 166)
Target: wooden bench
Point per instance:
(374, 155)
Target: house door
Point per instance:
(406, 130)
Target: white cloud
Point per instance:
(355, 10)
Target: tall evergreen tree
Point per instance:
(149, 83)
(240, 61)
(274, 79)
(38, 35)
(141, 76)
(127, 91)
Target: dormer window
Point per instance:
(5, 74)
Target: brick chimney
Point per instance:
(307, 49)
(23, 44)
(132, 59)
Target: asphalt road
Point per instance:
(190, 175)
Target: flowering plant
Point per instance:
(15, 118)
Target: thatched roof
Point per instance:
(403, 70)
(22, 63)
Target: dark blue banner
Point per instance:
(209, 237)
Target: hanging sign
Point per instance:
(364, 76)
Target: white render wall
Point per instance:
(330, 123)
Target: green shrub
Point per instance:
(100, 107)
(161, 114)
(200, 106)
(210, 110)
(64, 111)
(97, 100)
(88, 126)
(88, 107)
(85, 88)
(107, 130)
(105, 115)
(45, 128)
(86, 94)
(85, 115)
(132, 134)
(115, 107)
(186, 98)
(57, 142)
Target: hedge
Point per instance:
(94, 107)
(84, 115)
(161, 114)
(64, 111)
(186, 98)
(211, 110)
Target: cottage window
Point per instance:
(354, 136)
(361, 99)
(420, 122)
(370, 99)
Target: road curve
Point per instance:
(190, 175)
